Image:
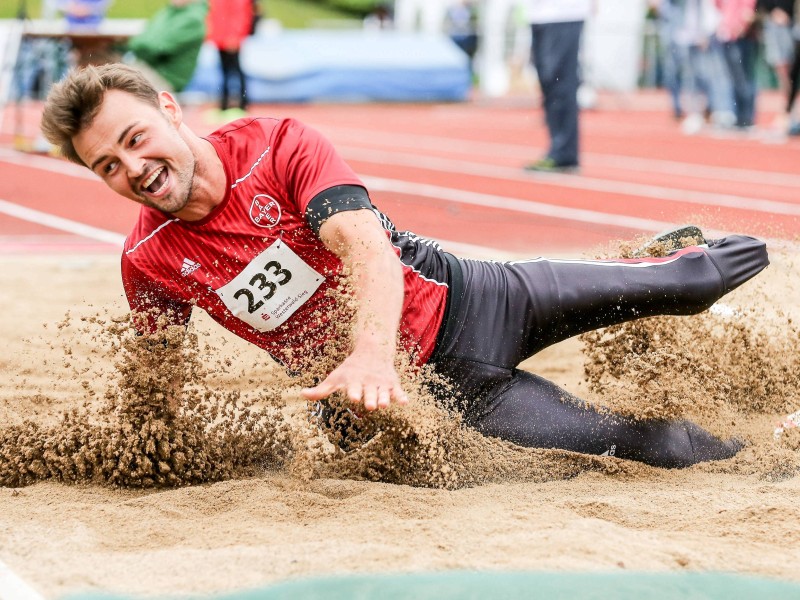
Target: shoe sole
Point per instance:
(673, 237)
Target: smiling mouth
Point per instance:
(156, 182)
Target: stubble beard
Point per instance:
(172, 204)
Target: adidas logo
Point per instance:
(611, 451)
(189, 267)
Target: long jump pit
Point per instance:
(109, 489)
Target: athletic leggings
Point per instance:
(507, 312)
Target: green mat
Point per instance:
(468, 585)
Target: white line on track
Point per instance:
(110, 237)
(12, 587)
(515, 204)
(571, 181)
(423, 143)
(406, 187)
(48, 220)
(54, 165)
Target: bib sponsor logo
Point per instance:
(265, 211)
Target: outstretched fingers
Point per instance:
(365, 390)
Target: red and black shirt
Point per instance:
(256, 265)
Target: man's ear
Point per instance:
(170, 107)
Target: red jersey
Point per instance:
(229, 22)
(255, 265)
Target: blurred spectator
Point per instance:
(167, 50)
(778, 18)
(738, 36)
(461, 24)
(668, 15)
(230, 22)
(380, 18)
(83, 14)
(794, 77)
(706, 79)
(556, 27)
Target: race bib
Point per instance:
(271, 288)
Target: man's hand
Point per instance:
(368, 375)
(362, 378)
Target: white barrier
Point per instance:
(612, 45)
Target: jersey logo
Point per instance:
(265, 211)
(189, 267)
(611, 451)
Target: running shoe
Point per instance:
(674, 239)
(548, 165)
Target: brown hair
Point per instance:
(74, 102)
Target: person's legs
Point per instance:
(236, 69)
(673, 70)
(509, 311)
(555, 56)
(719, 85)
(732, 54)
(228, 61)
(534, 304)
(536, 413)
(696, 101)
(794, 86)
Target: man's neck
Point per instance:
(209, 182)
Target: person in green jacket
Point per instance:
(167, 50)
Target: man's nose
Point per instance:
(134, 165)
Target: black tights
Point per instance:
(509, 311)
(229, 60)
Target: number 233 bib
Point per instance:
(271, 288)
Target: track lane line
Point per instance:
(639, 190)
(519, 152)
(116, 239)
(514, 204)
(54, 222)
(378, 184)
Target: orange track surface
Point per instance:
(636, 164)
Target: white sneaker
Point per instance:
(692, 124)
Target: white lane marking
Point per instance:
(571, 181)
(474, 251)
(48, 220)
(12, 587)
(46, 163)
(423, 143)
(456, 195)
(514, 204)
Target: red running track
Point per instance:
(454, 172)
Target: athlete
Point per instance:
(256, 223)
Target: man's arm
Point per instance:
(368, 374)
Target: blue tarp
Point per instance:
(466, 585)
(343, 66)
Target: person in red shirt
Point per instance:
(258, 221)
(230, 22)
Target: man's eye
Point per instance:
(109, 167)
(135, 139)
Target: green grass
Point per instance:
(293, 14)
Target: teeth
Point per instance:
(152, 178)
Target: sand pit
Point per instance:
(296, 506)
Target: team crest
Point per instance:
(265, 211)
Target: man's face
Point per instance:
(137, 150)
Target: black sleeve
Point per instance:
(333, 200)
